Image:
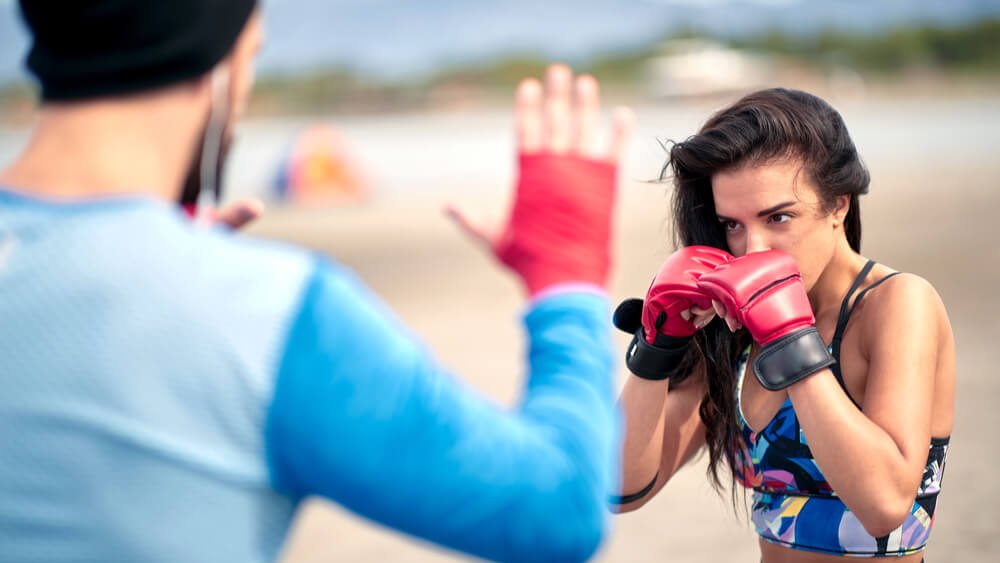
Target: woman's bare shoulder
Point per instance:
(900, 300)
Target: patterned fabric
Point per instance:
(794, 506)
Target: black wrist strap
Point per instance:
(625, 499)
(791, 359)
(655, 362)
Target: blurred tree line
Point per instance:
(972, 50)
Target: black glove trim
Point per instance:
(655, 363)
(628, 315)
(791, 359)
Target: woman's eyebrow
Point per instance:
(763, 213)
(772, 209)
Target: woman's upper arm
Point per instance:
(683, 434)
(683, 431)
(902, 344)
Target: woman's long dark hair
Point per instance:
(761, 127)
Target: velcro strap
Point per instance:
(654, 362)
(791, 358)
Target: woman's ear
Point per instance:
(843, 205)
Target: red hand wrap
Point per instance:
(560, 225)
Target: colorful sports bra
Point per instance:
(794, 506)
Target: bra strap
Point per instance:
(869, 288)
(842, 317)
(845, 309)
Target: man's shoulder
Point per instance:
(209, 258)
(208, 276)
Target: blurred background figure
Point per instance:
(319, 169)
(419, 91)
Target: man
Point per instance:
(171, 391)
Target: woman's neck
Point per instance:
(829, 289)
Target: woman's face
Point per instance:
(775, 205)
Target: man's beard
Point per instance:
(192, 187)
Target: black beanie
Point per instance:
(95, 48)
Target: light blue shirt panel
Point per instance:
(138, 359)
(363, 415)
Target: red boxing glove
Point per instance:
(675, 288)
(660, 334)
(764, 292)
(559, 228)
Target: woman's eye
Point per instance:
(730, 226)
(779, 218)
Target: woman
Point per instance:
(766, 185)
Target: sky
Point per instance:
(405, 38)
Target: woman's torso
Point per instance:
(773, 415)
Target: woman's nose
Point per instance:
(756, 242)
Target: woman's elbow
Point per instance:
(630, 501)
(615, 506)
(886, 516)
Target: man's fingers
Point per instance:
(564, 116)
(478, 233)
(558, 93)
(239, 214)
(586, 116)
(622, 124)
(528, 115)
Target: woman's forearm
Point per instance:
(860, 460)
(663, 431)
(642, 403)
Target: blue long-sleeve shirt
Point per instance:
(170, 393)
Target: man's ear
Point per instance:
(241, 62)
